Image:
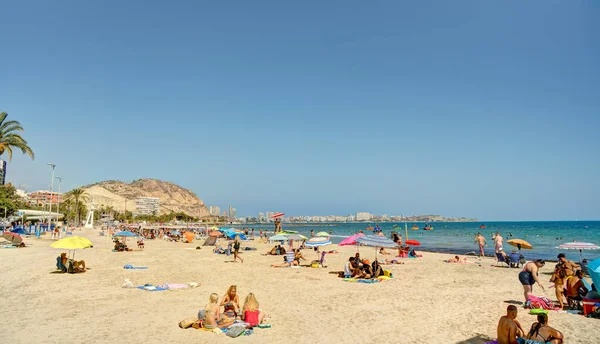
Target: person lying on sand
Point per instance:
(78, 266)
(456, 260)
(383, 251)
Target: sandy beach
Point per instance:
(428, 301)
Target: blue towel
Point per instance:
(157, 288)
(131, 267)
(367, 281)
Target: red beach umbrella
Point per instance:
(12, 237)
(276, 215)
(412, 243)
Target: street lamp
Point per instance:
(51, 189)
(58, 198)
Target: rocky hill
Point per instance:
(121, 196)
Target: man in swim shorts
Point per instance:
(498, 240)
(481, 240)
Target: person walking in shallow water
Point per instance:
(481, 240)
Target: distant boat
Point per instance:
(482, 226)
(415, 228)
(369, 228)
(428, 227)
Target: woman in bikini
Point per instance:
(212, 312)
(542, 333)
(529, 276)
(231, 303)
(236, 249)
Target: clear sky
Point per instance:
(489, 109)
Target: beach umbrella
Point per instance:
(214, 228)
(215, 234)
(72, 243)
(276, 215)
(12, 237)
(317, 242)
(520, 244)
(579, 246)
(288, 232)
(124, 234)
(189, 236)
(19, 231)
(594, 272)
(323, 234)
(278, 237)
(175, 233)
(351, 240)
(412, 243)
(376, 241)
(295, 236)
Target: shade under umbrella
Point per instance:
(276, 215)
(323, 234)
(12, 237)
(318, 241)
(520, 244)
(412, 243)
(579, 246)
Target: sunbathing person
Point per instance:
(212, 312)
(349, 270)
(541, 332)
(365, 271)
(61, 262)
(393, 261)
(219, 250)
(297, 256)
(383, 251)
(414, 254)
(77, 266)
(250, 312)
(231, 303)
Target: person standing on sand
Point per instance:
(236, 249)
(481, 240)
(498, 241)
(509, 329)
(529, 276)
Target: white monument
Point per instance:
(89, 221)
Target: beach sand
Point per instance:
(428, 301)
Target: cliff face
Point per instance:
(121, 196)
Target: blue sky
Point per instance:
(461, 108)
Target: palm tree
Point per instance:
(9, 138)
(78, 195)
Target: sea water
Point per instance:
(458, 237)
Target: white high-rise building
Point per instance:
(214, 210)
(147, 205)
(2, 172)
(269, 214)
(232, 212)
(261, 217)
(363, 216)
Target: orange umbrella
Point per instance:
(520, 244)
(189, 236)
(216, 234)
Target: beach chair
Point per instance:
(289, 257)
(500, 259)
(319, 263)
(59, 264)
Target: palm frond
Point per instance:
(5, 125)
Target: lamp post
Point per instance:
(51, 189)
(57, 198)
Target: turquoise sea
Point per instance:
(457, 237)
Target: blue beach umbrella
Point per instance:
(278, 237)
(376, 241)
(318, 241)
(19, 231)
(124, 234)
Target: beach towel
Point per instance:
(264, 325)
(131, 267)
(235, 331)
(540, 302)
(150, 288)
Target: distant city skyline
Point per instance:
(476, 108)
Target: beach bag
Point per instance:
(235, 331)
(185, 323)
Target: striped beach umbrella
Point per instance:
(579, 246)
(318, 241)
(322, 234)
(376, 241)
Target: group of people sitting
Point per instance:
(295, 262)
(277, 250)
(225, 313)
(72, 266)
(356, 267)
(509, 330)
(568, 282)
(121, 246)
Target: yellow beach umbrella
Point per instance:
(72, 243)
(322, 234)
(520, 244)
